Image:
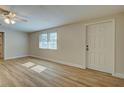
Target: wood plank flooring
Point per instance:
(13, 74)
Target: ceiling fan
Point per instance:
(11, 17)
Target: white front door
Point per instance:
(100, 41)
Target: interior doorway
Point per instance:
(1, 45)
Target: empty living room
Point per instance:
(61, 46)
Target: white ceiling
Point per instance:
(43, 17)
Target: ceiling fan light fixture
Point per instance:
(7, 20)
(11, 14)
(11, 17)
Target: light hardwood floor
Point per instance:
(12, 73)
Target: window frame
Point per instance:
(48, 39)
(41, 40)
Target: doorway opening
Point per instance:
(1, 46)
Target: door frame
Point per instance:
(97, 22)
(3, 40)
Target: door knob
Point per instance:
(87, 48)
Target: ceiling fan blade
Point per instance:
(15, 10)
(3, 11)
(20, 19)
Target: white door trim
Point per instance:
(113, 21)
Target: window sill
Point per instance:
(47, 49)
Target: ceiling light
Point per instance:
(13, 22)
(7, 20)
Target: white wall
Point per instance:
(71, 49)
(16, 43)
(71, 46)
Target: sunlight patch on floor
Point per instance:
(28, 64)
(38, 68)
(34, 67)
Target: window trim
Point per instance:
(48, 38)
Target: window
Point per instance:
(48, 40)
(43, 40)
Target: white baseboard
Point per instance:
(120, 75)
(61, 62)
(8, 58)
(67, 63)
